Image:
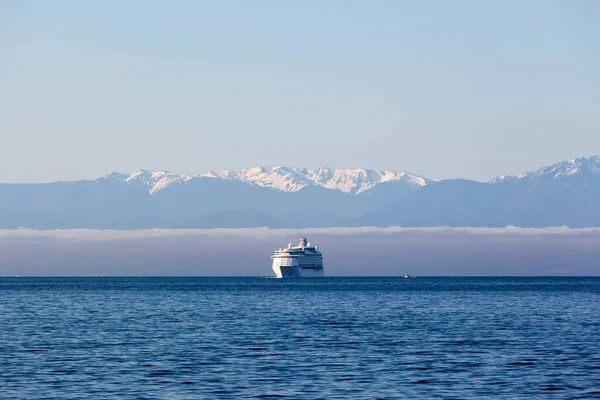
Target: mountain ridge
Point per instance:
(557, 170)
(566, 193)
(281, 178)
(354, 181)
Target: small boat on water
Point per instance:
(407, 276)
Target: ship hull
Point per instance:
(297, 272)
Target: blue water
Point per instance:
(346, 338)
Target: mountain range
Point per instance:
(563, 194)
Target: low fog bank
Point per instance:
(347, 251)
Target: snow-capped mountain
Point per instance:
(575, 166)
(563, 194)
(356, 181)
(154, 181)
(352, 181)
(566, 193)
(281, 178)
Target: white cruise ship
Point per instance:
(299, 261)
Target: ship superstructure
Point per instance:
(298, 261)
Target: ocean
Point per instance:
(329, 338)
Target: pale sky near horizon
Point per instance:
(466, 89)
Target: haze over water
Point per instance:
(303, 339)
(245, 252)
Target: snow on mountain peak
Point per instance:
(162, 179)
(282, 178)
(571, 167)
(115, 177)
(357, 180)
(292, 179)
(353, 181)
(503, 178)
(286, 179)
(154, 181)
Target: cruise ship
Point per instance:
(299, 261)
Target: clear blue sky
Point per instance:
(469, 89)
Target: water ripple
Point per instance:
(467, 338)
